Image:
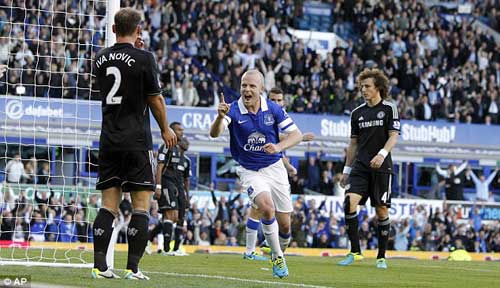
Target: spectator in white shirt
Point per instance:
(15, 170)
(248, 59)
(482, 183)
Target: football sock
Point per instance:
(284, 240)
(251, 235)
(137, 236)
(103, 229)
(270, 229)
(351, 220)
(178, 236)
(383, 235)
(153, 233)
(168, 226)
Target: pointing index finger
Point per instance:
(222, 97)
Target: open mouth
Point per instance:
(247, 97)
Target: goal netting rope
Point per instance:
(50, 129)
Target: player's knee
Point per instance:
(267, 211)
(141, 200)
(285, 228)
(254, 213)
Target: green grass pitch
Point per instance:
(225, 270)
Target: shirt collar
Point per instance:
(243, 109)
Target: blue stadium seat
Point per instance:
(303, 24)
(326, 19)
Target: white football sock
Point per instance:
(270, 229)
(252, 231)
(284, 241)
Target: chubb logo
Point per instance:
(15, 109)
(255, 142)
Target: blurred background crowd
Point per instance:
(47, 217)
(441, 64)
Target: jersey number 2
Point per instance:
(111, 99)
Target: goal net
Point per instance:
(50, 128)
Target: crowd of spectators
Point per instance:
(45, 216)
(27, 171)
(439, 67)
(51, 217)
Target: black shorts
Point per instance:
(173, 195)
(377, 185)
(130, 170)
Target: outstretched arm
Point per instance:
(461, 168)
(491, 177)
(441, 172)
(474, 177)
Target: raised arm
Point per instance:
(461, 167)
(491, 177)
(218, 125)
(441, 172)
(474, 177)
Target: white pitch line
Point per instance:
(235, 279)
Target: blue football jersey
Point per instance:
(249, 133)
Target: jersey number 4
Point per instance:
(384, 198)
(111, 99)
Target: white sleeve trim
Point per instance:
(285, 122)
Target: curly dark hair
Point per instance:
(380, 81)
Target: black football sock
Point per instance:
(383, 235)
(103, 229)
(156, 230)
(137, 235)
(178, 236)
(168, 226)
(351, 221)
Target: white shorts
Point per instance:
(272, 179)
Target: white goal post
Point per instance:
(48, 151)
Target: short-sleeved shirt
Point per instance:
(250, 132)
(126, 76)
(371, 126)
(177, 164)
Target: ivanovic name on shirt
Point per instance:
(114, 56)
(371, 123)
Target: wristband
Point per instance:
(347, 170)
(158, 186)
(383, 152)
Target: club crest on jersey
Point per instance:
(255, 142)
(250, 190)
(268, 119)
(380, 115)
